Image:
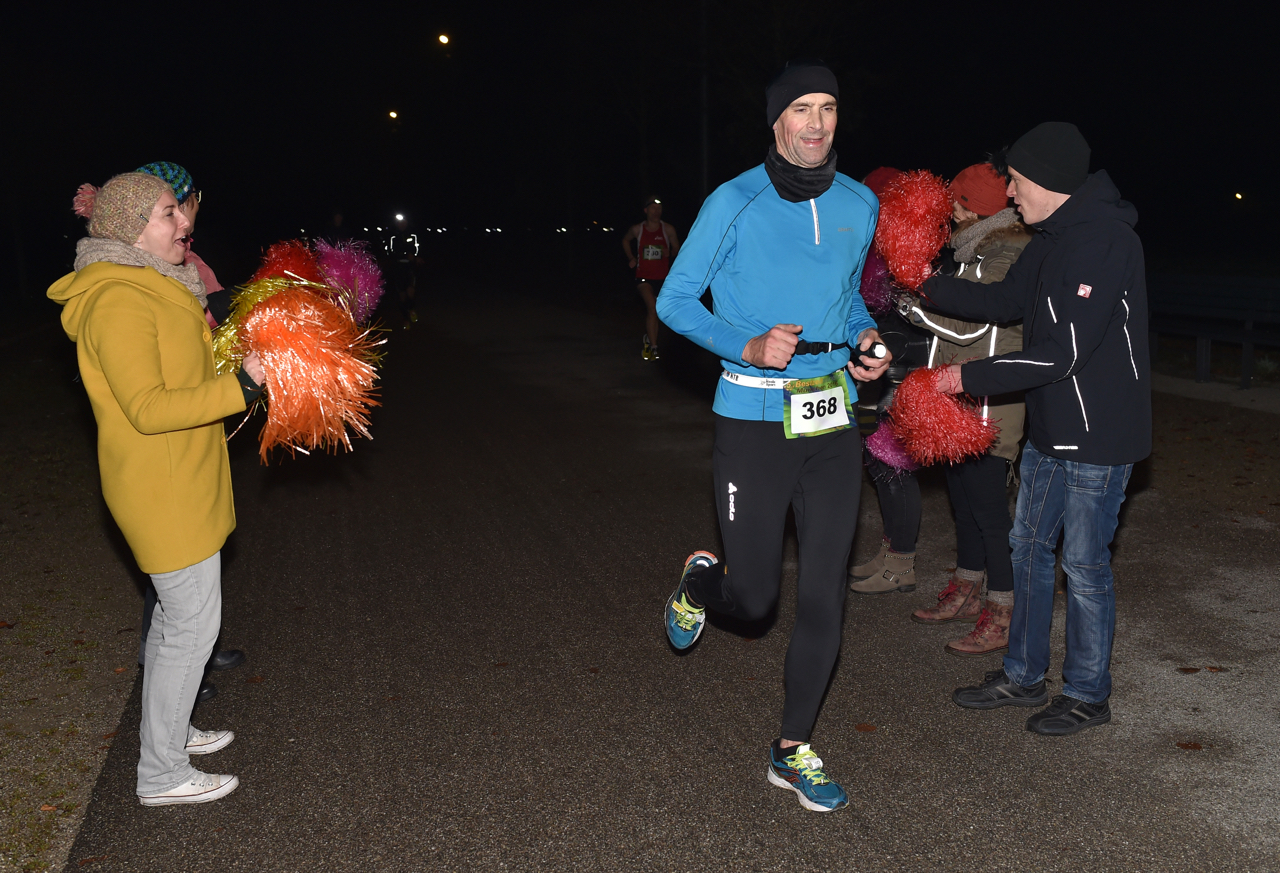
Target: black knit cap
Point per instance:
(797, 79)
(1054, 155)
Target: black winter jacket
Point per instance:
(1080, 289)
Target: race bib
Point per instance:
(653, 253)
(815, 406)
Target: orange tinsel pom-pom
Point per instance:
(319, 372)
(933, 426)
(915, 214)
(292, 259)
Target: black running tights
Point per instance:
(758, 474)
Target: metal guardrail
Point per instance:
(1240, 310)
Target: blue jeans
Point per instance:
(1083, 499)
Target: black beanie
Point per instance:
(797, 79)
(1053, 155)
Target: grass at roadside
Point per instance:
(69, 608)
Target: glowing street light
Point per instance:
(1239, 196)
(444, 40)
(394, 114)
(399, 216)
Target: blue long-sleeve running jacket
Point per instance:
(769, 261)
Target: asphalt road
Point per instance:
(456, 659)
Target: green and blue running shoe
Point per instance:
(800, 769)
(683, 620)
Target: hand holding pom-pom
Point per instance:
(949, 380)
(934, 426)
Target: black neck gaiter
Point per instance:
(798, 184)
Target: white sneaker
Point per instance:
(204, 742)
(202, 788)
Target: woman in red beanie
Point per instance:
(987, 239)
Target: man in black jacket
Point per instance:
(1080, 290)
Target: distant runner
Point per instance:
(656, 246)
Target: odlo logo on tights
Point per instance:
(732, 490)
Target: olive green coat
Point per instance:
(146, 361)
(959, 341)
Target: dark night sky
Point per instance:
(561, 114)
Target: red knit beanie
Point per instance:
(879, 177)
(980, 189)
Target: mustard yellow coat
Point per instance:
(146, 360)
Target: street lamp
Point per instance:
(444, 40)
(394, 114)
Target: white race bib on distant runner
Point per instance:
(653, 253)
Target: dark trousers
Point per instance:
(900, 508)
(980, 503)
(759, 473)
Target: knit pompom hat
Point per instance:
(980, 189)
(121, 208)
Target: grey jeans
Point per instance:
(183, 630)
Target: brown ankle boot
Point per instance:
(991, 634)
(874, 567)
(899, 574)
(959, 601)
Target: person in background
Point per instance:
(987, 240)
(189, 198)
(656, 245)
(1080, 289)
(892, 568)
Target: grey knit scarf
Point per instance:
(91, 250)
(965, 243)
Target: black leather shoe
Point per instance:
(998, 690)
(226, 659)
(207, 691)
(1066, 716)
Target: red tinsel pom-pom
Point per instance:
(288, 259)
(933, 426)
(915, 213)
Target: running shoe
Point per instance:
(683, 620)
(646, 350)
(800, 769)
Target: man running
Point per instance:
(781, 247)
(656, 246)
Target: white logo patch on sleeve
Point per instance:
(1084, 291)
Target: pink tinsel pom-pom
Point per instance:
(915, 212)
(349, 267)
(884, 446)
(934, 426)
(86, 196)
(877, 292)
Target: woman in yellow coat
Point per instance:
(145, 352)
